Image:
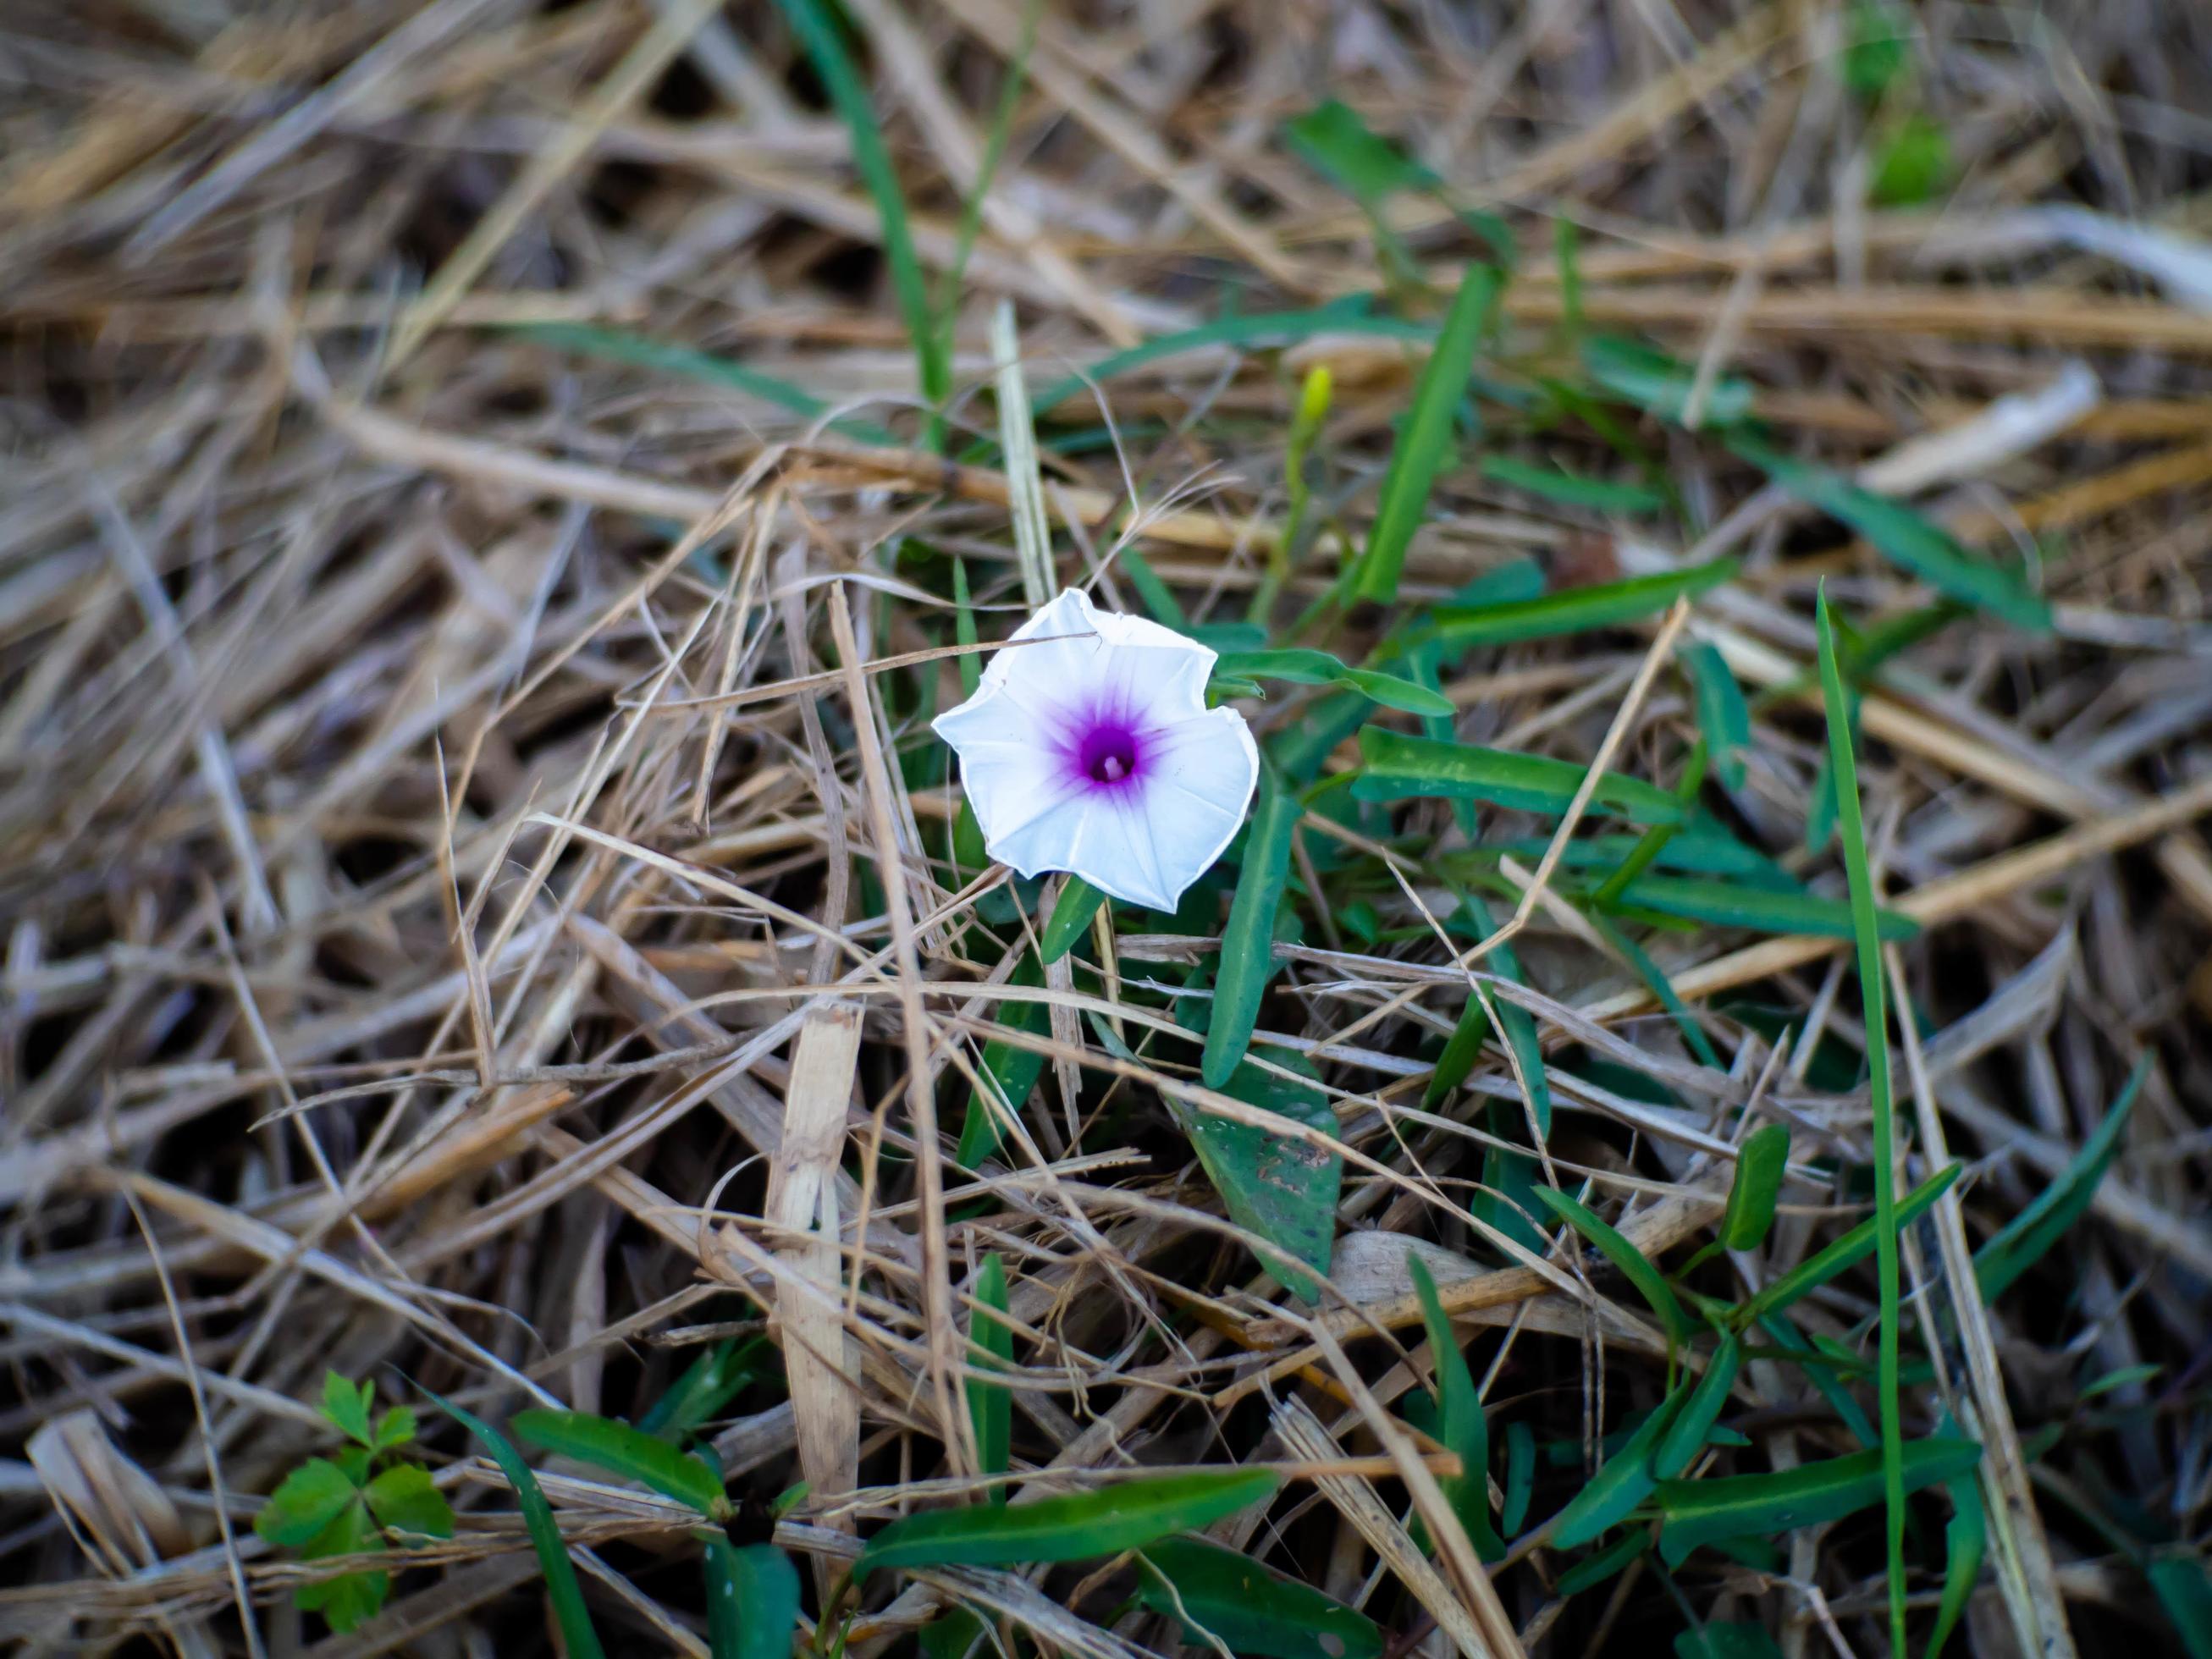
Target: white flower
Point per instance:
(1096, 753)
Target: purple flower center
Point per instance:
(1107, 752)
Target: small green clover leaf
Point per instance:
(346, 1406)
(311, 1498)
(405, 1499)
(335, 1506)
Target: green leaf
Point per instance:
(1398, 766)
(1520, 1476)
(1875, 41)
(708, 1384)
(1765, 910)
(1726, 1642)
(630, 1453)
(569, 1612)
(2025, 1239)
(1280, 1186)
(349, 1598)
(1248, 943)
(404, 1499)
(2183, 1583)
(1011, 1072)
(1723, 716)
(1847, 1251)
(1576, 609)
(812, 22)
(1301, 666)
(1249, 1609)
(1965, 1539)
(1874, 992)
(955, 1636)
(1593, 1571)
(395, 1428)
(1460, 1425)
(1072, 912)
(752, 1600)
(1333, 140)
(991, 1405)
(1685, 1436)
(1624, 1481)
(1697, 1512)
(963, 629)
(1912, 163)
(1124, 1516)
(2118, 1379)
(1555, 485)
(310, 1499)
(347, 1407)
(1660, 386)
(1905, 538)
(1650, 1283)
(1354, 313)
(1760, 1164)
(1424, 439)
(617, 345)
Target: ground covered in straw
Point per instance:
(492, 495)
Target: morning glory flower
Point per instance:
(1093, 751)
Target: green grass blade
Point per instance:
(2027, 1236)
(817, 29)
(752, 1600)
(1695, 1512)
(1642, 856)
(963, 629)
(1596, 1570)
(2183, 1583)
(1333, 140)
(1071, 912)
(1425, 439)
(1461, 1425)
(995, 150)
(1353, 315)
(1555, 485)
(1634, 1265)
(1966, 1540)
(1282, 1187)
(1520, 1477)
(991, 1405)
(1685, 1436)
(1655, 978)
(1657, 384)
(1248, 943)
(566, 1595)
(1728, 1641)
(1249, 1609)
(617, 345)
(1873, 998)
(1759, 1164)
(1576, 609)
(1301, 666)
(1010, 1071)
(630, 1453)
(1127, 1516)
(708, 1384)
(1761, 909)
(1625, 1481)
(1724, 715)
(1398, 766)
(1904, 536)
(1854, 1247)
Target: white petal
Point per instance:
(1018, 739)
